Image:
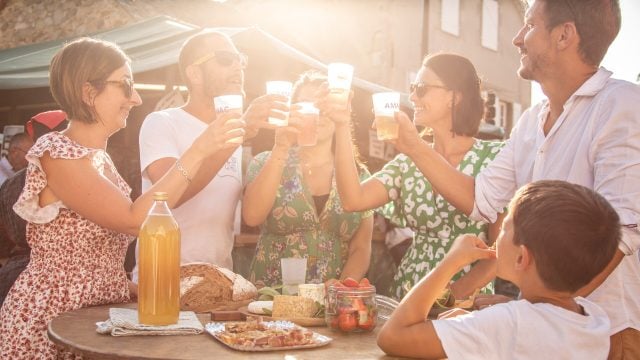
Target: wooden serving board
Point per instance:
(304, 321)
(222, 315)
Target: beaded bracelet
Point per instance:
(183, 171)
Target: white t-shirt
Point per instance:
(594, 143)
(522, 330)
(206, 220)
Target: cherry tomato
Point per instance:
(347, 310)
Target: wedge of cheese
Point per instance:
(293, 307)
(258, 307)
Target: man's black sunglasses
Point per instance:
(421, 88)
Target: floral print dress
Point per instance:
(435, 222)
(74, 263)
(293, 228)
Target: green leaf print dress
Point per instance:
(294, 229)
(434, 221)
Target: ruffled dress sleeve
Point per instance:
(59, 147)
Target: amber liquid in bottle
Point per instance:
(159, 266)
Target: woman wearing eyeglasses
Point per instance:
(80, 218)
(446, 99)
(291, 193)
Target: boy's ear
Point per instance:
(524, 258)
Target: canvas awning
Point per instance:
(151, 44)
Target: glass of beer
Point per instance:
(309, 117)
(385, 105)
(279, 88)
(339, 77)
(233, 104)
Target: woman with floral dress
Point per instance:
(447, 100)
(291, 193)
(80, 218)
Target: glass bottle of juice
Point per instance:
(159, 266)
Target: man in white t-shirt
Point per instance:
(557, 237)
(586, 132)
(211, 66)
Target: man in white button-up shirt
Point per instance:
(587, 132)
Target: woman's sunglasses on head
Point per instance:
(223, 58)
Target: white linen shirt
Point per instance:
(595, 143)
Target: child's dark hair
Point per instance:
(571, 231)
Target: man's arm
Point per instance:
(616, 172)
(205, 174)
(158, 158)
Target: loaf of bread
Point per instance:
(293, 306)
(206, 287)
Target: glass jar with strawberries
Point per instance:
(351, 306)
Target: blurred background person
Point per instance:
(80, 218)
(15, 160)
(15, 226)
(9, 166)
(446, 99)
(290, 191)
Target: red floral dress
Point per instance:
(74, 263)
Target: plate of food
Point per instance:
(257, 335)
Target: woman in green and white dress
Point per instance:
(447, 100)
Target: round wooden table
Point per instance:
(76, 331)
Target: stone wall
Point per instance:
(24, 22)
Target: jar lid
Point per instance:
(160, 196)
(366, 290)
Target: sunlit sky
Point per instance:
(623, 57)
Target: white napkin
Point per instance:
(124, 322)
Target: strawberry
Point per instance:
(335, 322)
(364, 283)
(367, 325)
(358, 304)
(350, 282)
(347, 322)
